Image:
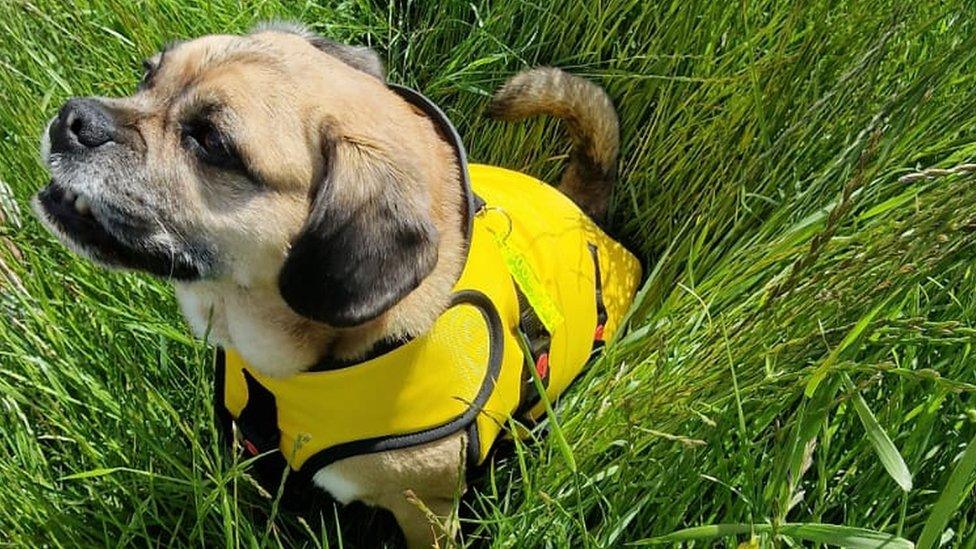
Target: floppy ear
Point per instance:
(357, 57)
(366, 244)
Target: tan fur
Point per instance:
(284, 94)
(432, 472)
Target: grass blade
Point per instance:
(557, 433)
(821, 372)
(952, 495)
(830, 534)
(886, 450)
(710, 531)
(845, 536)
(108, 471)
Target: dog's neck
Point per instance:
(254, 319)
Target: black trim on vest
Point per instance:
(381, 348)
(601, 308)
(473, 450)
(496, 347)
(225, 422)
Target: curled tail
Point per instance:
(591, 122)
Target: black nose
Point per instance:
(82, 124)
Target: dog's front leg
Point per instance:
(425, 522)
(419, 485)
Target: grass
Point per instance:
(799, 367)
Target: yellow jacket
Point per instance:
(471, 371)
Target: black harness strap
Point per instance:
(601, 308)
(538, 341)
(225, 423)
(257, 436)
(260, 435)
(496, 343)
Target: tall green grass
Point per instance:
(799, 368)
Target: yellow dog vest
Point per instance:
(471, 371)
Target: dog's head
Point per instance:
(276, 157)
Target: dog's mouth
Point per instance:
(71, 215)
(72, 218)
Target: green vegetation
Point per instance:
(801, 354)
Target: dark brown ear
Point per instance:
(357, 57)
(367, 243)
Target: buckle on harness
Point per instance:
(542, 365)
(249, 447)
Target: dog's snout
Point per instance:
(82, 124)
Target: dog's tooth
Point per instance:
(82, 206)
(69, 196)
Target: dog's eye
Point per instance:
(211, 141)
(210, 145)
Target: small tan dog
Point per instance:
(218, 166)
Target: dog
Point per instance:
(308, 212)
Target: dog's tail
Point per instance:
(592, 125)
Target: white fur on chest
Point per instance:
(253, 329)
(342, 488)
